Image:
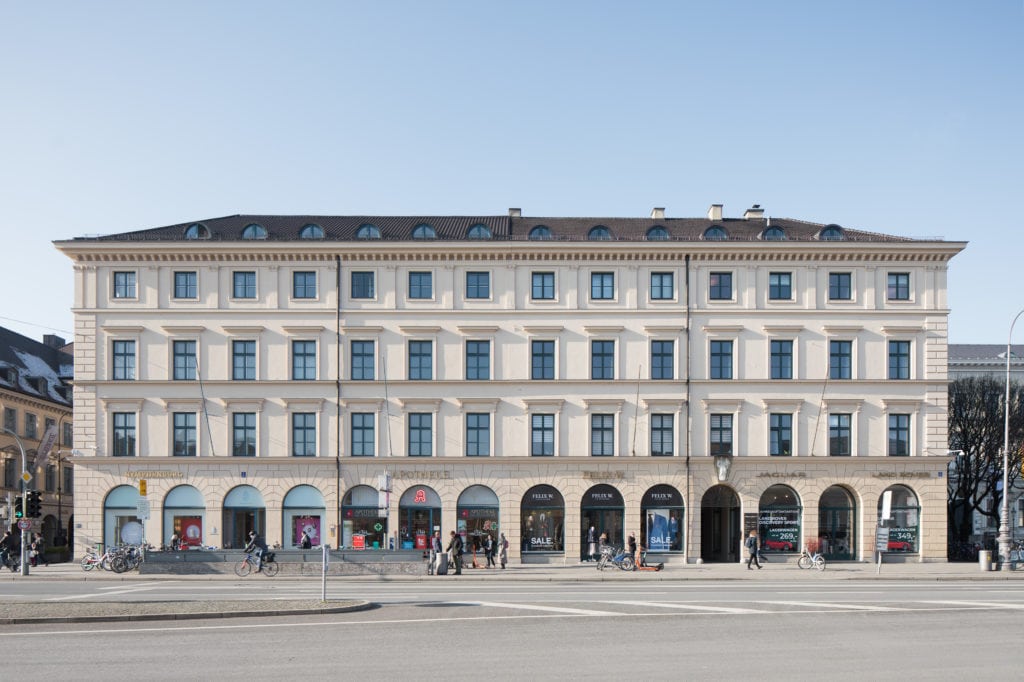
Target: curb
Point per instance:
(143, 617)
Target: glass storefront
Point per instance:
(364, 525)
(542, 518)
(303, 512)
(121, 524)
(602, 507)
(184, 516)
(244, 510)
(837, 524)
(779, 520)
(477, 517)
(419, 515)
(904, 519)
(661, 509)
(720, 526)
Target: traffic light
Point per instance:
(19, 511)
(33, 507)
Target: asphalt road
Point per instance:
(503, 631)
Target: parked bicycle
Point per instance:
(616, 556)
(809, 559)
(116, 559)
(250, 563)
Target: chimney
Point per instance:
(657, 214)
(755, 212)
(515, 213)
(53, 341)
(715, 213)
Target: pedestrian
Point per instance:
(632, 550)
(489, 550)
(435, 551)
(503, 551)
(752, 546)
(175, 542)
(591, 544)
(455, 552)
(37, 550)
(305, 542)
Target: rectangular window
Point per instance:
(840, 359)
(840, 286)
(898, 288)
(899, 359)
(47, 423)
(839, 435)
(662, 286)
(364, 440)
(51, 478)
(363, 285)
(782, 359)
(69, 480)
(69, 434)
(421, 360)
(304, 284)
(602, 359)
(602, 286)
(303, 360)
(362, 359)
(780, 435)
(478, 285)
(543, 286)
(721, 359)
(243, 284)
(663, 359)
(780, 286)
(243, 359)
(421, 432)
(184, 360)
(721, 434)
(720, 286)
(543, 359)
(421, 285)
(124, 434)
(11, 419)
(542, 435)
(478, 434)
(124, 285)
(662, 435)
(10, 475)
(303, 434)
(243, 434)
(185, 285)
(478, 360)
(124, 360)
(184, 434)
(602, 435)
(899, 435)
(31, 426)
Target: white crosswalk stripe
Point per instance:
(536, 607)
(833, 605)
(688, 607)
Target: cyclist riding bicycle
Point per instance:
(258, 546)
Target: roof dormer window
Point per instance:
(311, 231)
(197, 231)
(479, 232)
(657, 234)
(774, 234)
(599, 233)
(254, 231)
(367, 231)
(831, 233)
(424, 231)
(715, 233)
(540, 232)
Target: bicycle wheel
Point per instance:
(804, 561)
(819, 562)
(243, 568)
(271, 569)
(119, 564)
(602, 562)
(88, 564)
(627, 564)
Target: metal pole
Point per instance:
(1004, 510)
(24, 503)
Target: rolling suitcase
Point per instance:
(441, 563)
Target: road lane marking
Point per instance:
(535, 607)
(985, 604)
(110, 591)
(833, 605)
(691, 607)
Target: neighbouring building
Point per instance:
(370, 379)
(35, 394)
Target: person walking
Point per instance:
(435, 550)
(503, 551)
(752, 549)
(455, 551)
(489, 550)
(632, 550)
(305, 542)
(37, 550)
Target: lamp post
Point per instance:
(60, 498)
(1004, 510)
(24, 502)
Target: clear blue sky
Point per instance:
(897, 117)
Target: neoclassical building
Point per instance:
(370, 379)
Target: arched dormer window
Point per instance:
(197, 231)
(599, 233)
(367, 231)
(424, 231)
(774, 234)
(540, 232)
(715, 233)
(311, 231)
(254, 231)
(657, 234)
(831, 233)
(479, 232)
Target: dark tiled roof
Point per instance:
(983, 353)
(503, 228)
(33, 368)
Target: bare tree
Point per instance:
(976, 422)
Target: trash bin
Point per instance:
(985, 559)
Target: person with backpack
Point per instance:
(455, 552)
(751, 544)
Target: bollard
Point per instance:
(985, 559)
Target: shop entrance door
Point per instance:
(609, 521)
(720, 527)
(837, 518)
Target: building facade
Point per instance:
(35, 395)
(372, 379)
